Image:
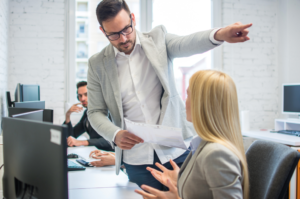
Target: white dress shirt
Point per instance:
(141, 93)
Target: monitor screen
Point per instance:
(27, 93)
(291, 99)
(31, 92)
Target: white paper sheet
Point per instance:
(157, 134)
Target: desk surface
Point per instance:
(274, 137)
(99, 182)
(104, 193)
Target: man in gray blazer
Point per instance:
(133, 78)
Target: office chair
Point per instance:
(271, 166)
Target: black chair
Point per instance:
(271, 166)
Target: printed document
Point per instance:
(157, 134)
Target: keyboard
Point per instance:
(290, 132)
(72, 166)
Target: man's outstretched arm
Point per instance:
(200, 42)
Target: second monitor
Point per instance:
(47, 113)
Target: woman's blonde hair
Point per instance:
(215, 114)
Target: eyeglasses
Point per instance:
(126, 31)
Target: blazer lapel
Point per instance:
(112, 73)
(154, 58)
(185, 171)
(183, 166)
(158, 63)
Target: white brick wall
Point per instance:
(4, 18)
(254, 65)
(36, 54)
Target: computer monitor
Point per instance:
(35, 160)
(47, 113)
(34, 104)
(291, 99)
(26, 93)
(32, 115)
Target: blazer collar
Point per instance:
(187, 166)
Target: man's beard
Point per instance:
(122, 49)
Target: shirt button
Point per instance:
(138, 92)
(143, 106)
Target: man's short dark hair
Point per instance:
(108, 9)
(80, 84)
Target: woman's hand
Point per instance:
(103, 158)
(155, 193)
(166, 174)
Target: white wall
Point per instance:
(288, 44)
(254, 64)
(259, 66)
(4, 18)
(36, 54)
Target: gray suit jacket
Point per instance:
(104, 90)
(212, 172)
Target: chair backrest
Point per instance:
(271, 166)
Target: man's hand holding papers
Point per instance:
(126, 140)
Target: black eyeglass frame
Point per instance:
(121, 32)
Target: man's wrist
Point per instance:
(84, 143)
(218, 35)
(116, 132)
(68, 118)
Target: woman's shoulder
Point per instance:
(216, 152)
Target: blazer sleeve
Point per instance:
(223, 174)
(185, 46)
(97, 108)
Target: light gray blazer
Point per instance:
(212, 172)
(103, 87)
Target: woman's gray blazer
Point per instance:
(212, 172)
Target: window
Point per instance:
(183, 18)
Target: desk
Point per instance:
(99, 182)
(274, 137)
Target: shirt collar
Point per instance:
(137, 42)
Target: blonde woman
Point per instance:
(217, 168)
